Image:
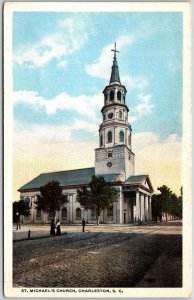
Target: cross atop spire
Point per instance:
(114, 50)
(115, 70)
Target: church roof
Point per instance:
(71, 177)
(138, 180)
(66, 178)
(109, 177)
(115, 72)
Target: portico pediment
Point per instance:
(142, 181)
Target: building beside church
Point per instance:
(114, 160)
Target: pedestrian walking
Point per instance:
(58, 226)
(52, 231)
(83, 224)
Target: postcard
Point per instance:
(97, 149)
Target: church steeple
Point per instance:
(115, 70)
(114, 155)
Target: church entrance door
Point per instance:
(124, 218)
(132, 219)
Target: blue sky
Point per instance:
(62, 63)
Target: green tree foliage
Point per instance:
(21, 207)
(156, 208)
(180, 203)
(51, 197)
(98, 196)
(166, 202)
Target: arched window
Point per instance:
(101, 140)
(121, 136)
(106, 96)
(38, 213)
(93, 214)
(119, 95)
(51, 214)
(78, 214)
(112, 96)
(120, 115)
(64, 213)
(110, 212)
(110, 137)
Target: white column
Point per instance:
(150, 208)
(115, 95)
(126, 137)
(134, 213)
(142, 208)
(137, 206)
(146, 208)
(121, 206)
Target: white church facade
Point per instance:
(114, 160)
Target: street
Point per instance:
(103, 256)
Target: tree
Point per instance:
(21, 208)
(98, 196)
(51, 197)
(156, 208)
(180, 203)
(166, 202)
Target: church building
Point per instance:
(114, 160)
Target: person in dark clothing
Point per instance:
(58, 228)
(83, 224)
(52, 231)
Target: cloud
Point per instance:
(143, 139)
(68, 36)
(44, 140)
(29, 97)
(83, 105)
(53, 147)
(63, 64)
(144, 108)
(101, 68)
(86, 126)
(49, 148)
(134, 82)
(160, 159)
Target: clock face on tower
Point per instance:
(110, 115)
(109, 164)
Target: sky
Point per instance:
(62, 63)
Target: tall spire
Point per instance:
(115, 70)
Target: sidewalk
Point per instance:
(39, 231)
(22, 234)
